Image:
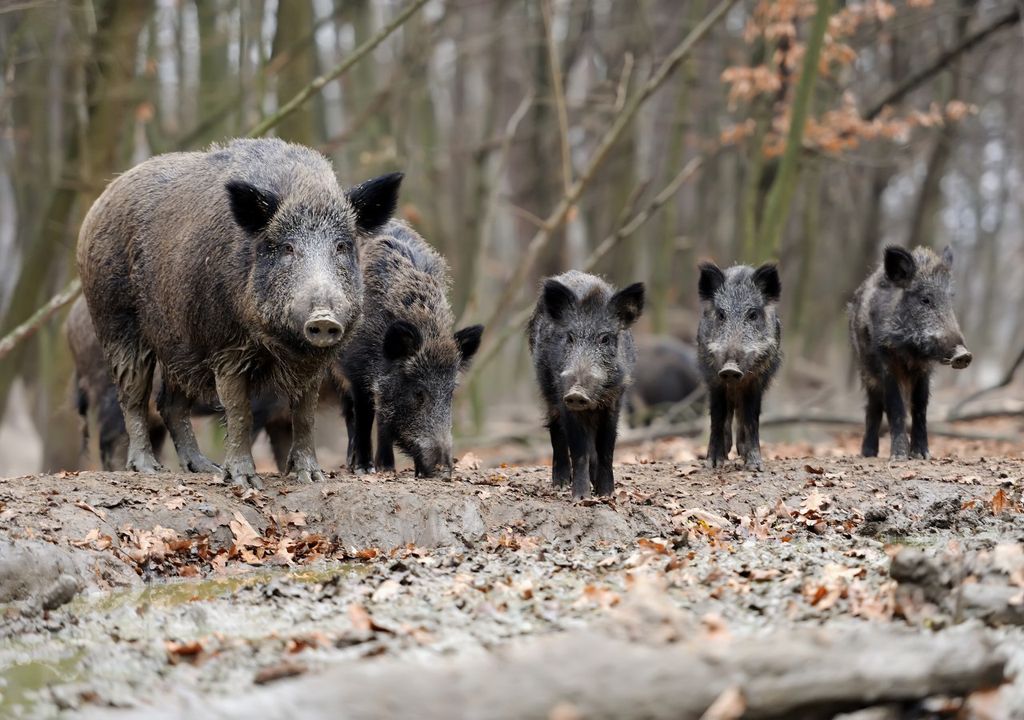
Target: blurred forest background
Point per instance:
(537, 135)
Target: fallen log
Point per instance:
(587, 675)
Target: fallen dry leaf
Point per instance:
(386, 591)
(283, 669)
(183, 651)
(362, 620)
(245, 534)
(467, 463)
(175, 503)
(730, 705)
(86, 506)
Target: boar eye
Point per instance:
(925, 300)
(607, 338)
(570, 338)
(753, 314)
(342, 246)
(287, 248)
(721, 315)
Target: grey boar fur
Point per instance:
(237, 270)
(403, 361)
(666, 373)
(901, 323)
(739, 349)
(583, 355)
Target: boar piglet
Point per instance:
(404, 360)
(738, 347)
(236, 269)
(901, 323)
(583, 354)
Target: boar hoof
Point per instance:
(144, 464)
(305, 469)
(754, 463)
(201, 464)
(307, 476)
(920, 455)
(242, 474)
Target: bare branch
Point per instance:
(558, 91)
(28, 328)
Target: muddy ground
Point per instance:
(124, 595)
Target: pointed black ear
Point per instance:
(767, 280)
(711, 278)
(468, 340)
(402, 340)
(252, 207)
(899, 265)
(947, 256)
(628, 303)
(375, 201)
(557, 299)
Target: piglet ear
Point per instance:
(711, 278)
(767, 280)
(252, 207)
(402, 340)
(947, 256)
(375, 201)
(468, 340)
(628, 303)
(557, 299)
(899, 265)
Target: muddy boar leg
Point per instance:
(580, 441)
(134, 371)
(176, 410)
(363, 411)
(561, 467)
(385, 457)
(279, 432)
(872, 420)
(750, 428)
(239, 468)
(919, 417)
(897, 412)
(607, 429)
(302, 458)
(719, 412)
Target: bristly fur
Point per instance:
(902, 322)
(582, 346)
(406, 283)
(211, 263)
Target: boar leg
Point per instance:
(385, 457)
(607, 428)
(717, 450)
(919, 417)
(176, 411)
(561, 467)
(363, 411)
(580, 441)
(897, 412)
(302, 458)
(239, 468)
(750, 429)
(134, 373)
(348, 411)
(872, 420)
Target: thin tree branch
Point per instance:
(1007, 378)
(28, 328)
(514, 283)
(921, 76)
(558, 91)
(268, 123)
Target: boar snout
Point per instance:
(961, 357)
(434, 455)
(577, 399)
(322, 330)
(730, 372)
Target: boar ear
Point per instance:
(468, 340)
(947, 256)
(628, 303)
(374, 201)
(711, 278)
(767, 280)
(253, 208)
(899, 265)
(557, 299)
(402, 340)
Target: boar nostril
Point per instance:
(322, 331)
(961, 358)
(576, 399)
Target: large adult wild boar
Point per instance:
(237, 270)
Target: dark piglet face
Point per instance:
(415, 393)
(585, 347)
(305, 272)
(924, 317)
(738, 326)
